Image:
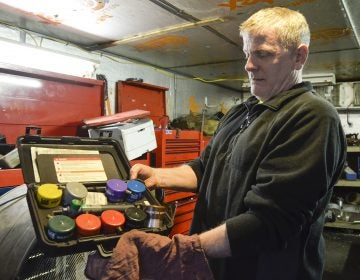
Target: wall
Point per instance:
(184, 94)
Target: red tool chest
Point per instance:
(143, 96)
(54, 102)
(176, 146)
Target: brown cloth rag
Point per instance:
(140, 255)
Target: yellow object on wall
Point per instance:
(193, 105)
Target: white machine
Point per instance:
(135, 136)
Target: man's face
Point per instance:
(271, 68)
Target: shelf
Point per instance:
(343, 225)
(350, 109)
(353, 149)
(348, 183)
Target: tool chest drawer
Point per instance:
(177, 158)
(183, 216)
(175, 196)
(176, 147)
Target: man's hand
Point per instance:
(140, 255)
(145, 173)
(180, 178)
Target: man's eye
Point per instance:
(263, 54)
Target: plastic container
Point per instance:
(49, 195)
(88, 224)
(112, 221)
(60, 228)
(135, 218)
(74, 190)
(135, 190)
(115, 165)
(115, 190)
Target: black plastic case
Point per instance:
(115, 165)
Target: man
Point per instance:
(264, 180)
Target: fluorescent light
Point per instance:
(76, 14)
(44, 59)
(20, 81)
(45, 6)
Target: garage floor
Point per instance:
(342, 256)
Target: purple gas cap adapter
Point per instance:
(115, 190)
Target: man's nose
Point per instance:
(250, 64)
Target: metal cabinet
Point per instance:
(346, 197)
(56, 103)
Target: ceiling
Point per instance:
(195, 38)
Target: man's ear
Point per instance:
(302, 53)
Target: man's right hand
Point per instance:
(145, 173)
(180, 178)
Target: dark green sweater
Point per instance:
(268, 173)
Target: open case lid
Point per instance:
(39, 154)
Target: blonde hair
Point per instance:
(290, 26)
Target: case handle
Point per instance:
(103, 251)
(106, 133)
(28, 129)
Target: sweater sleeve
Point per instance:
(293, 182)
(198, 164)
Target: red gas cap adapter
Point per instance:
(112, 221)
(88, 224)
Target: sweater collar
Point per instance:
(276, 102)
